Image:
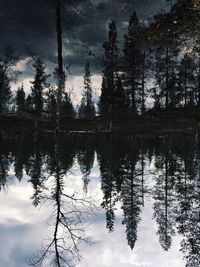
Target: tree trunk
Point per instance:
(143, 82)
(167, 79)
(60, 71)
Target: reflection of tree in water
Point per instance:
(36, 172)
(68, 220)
(5, 162)
(122, 178)
(131, 200)
(86, 154)
(188, 208)
(122, 162)
(107, 160)
(133, 189)
(164, 195)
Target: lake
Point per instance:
(99, 200)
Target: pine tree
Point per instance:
(39, 85)
(67, 106)
(5, 92)
(132, 60)
(164, 197)
(110, 65)
(87, 108)
(20, 99)
(28, 103)
(119, 97)
(52, 105)
(7, 61)
(186, 80)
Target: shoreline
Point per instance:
(153, 121)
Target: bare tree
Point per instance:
(68, 222)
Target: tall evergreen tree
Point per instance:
(164, 197)
(67, 106)
(119, 97)
(87, 108)
(5, 92)
(186, 82)
(132, 60)
(20, 98)
(111, 66)
(29, 103)
(39, 85)
(7, 61)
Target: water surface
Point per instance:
(110, 200)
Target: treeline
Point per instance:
(42, 101)
(125, 163)
(158, 67)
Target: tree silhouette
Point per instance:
(132, 60)
(67, 106)
(131, 197)
(39, 84)
(20, 99)
(68, 220)
(163, 195)
(87, 108)
(7, 61)
(110, 65)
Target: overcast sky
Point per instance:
(28, 23)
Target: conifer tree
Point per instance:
(20, 98)
(119, 97)
(110, 65)
(5, 92)
(186, 76)
(196, 56)
(28, 103)
(52, 105)
(67, 106)
(7, 61)
(87, 108)
(132, 60)
(39, 85)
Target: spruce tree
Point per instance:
(28, 104)
(187, 80)
(7, 61)
(110, 64)
(119, 97)
(20, 99)
(5, 92)
(52, 105)
(87, 108)
(67, 106)
(39, 85)
(132, 60)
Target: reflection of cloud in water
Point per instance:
(22, 229)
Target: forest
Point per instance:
(154, 73)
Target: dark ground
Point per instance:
(153, 121)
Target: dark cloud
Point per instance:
(28, 23)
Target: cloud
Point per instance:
(27, 22)
(28, 25)
(23, 227)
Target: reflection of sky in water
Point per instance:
(23, 227)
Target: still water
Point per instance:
(83, 200)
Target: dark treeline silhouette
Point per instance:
(157, 67)
(124, 163)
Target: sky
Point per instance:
(28, 25)
(23, 228)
